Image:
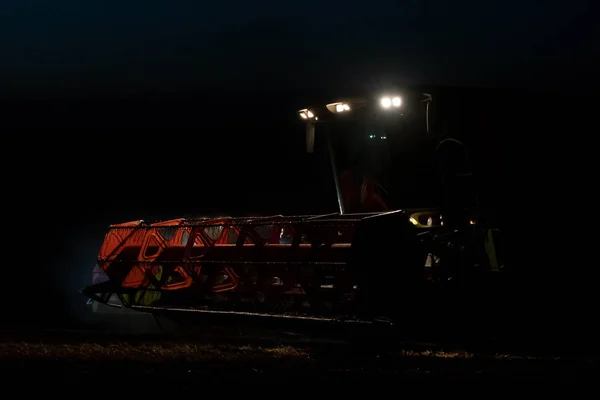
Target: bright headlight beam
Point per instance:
(338, 107)
(306, 114)
(342, 107)
(387, 102)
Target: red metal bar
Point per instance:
(224, 252)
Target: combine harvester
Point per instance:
(367, 262)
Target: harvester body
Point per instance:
(369, 259)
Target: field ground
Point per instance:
(117, 359)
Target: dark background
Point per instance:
(113, 112)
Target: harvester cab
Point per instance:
(363, 136)
(369, 141)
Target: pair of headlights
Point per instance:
(385, 102)
(333, 107)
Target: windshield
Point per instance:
(381, 163)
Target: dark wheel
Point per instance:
(388, 260)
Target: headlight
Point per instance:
(306, 114)
(338, 107)
(388, 102)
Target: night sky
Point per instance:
(192, 105)
(77, 46)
